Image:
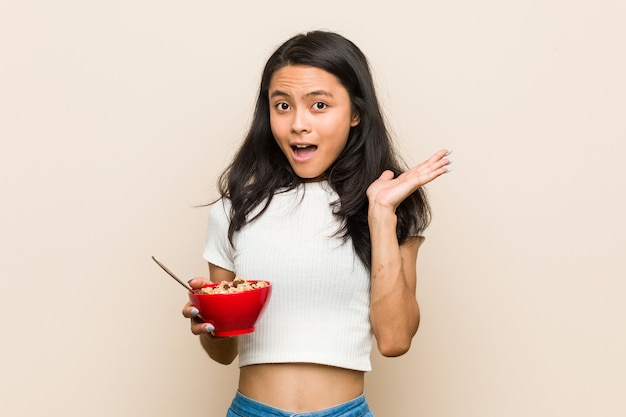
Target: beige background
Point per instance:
(116, 117)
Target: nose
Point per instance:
(300, 122)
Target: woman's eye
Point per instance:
(282, 106)
(319, 105)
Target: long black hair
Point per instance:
(260, 168)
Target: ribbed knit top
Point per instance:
(319, 308)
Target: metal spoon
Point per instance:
(187, 287)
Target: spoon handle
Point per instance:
(172, 275)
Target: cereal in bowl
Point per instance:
(237, 285)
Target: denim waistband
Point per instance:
(243, 406)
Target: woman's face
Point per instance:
(310, 116)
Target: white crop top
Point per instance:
(319, 308)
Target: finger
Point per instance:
(386, 175)
(190, 311)
(422, 175)
(199, 327)
(436, 161)
(438, 156)
(443, 162)
(446, 157)
(442, 153)
(198, 282)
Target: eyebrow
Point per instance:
(279, 93)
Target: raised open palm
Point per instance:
(390, 192)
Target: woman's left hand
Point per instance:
(389, 192)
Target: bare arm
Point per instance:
(220, 349)
(394, 311)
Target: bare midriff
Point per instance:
(300, 387)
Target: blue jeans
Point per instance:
(243, 406)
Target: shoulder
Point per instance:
(219, 211)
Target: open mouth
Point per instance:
(303, 152)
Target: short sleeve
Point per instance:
(217, 247)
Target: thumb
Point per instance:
(386, 175)
(198, 282)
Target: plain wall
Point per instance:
(116, 118)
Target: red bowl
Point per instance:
(232, 314)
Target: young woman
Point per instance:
(317, 202)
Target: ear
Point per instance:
(356, 119)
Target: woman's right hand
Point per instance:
(221, 349)
(198, 326)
